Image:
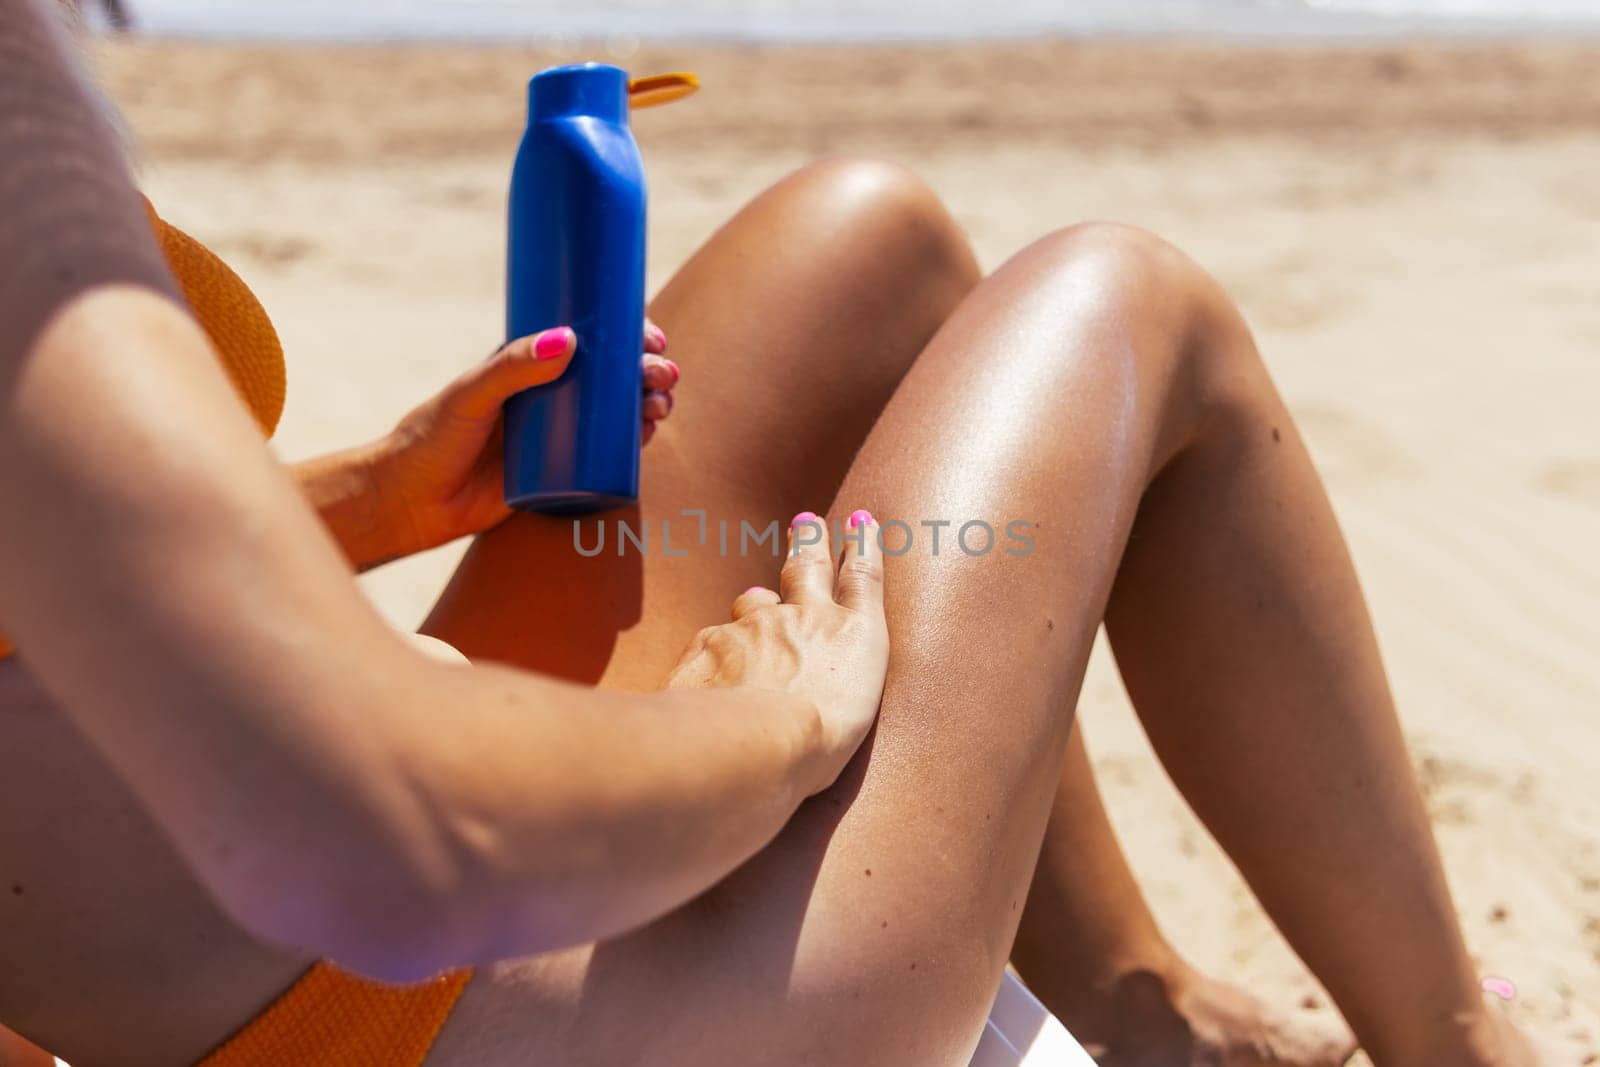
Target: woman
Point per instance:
(250, 772)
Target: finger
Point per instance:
(483, 499)
(655, 338)
(657, 406)
(660, 373)
(860, 583)
(757, 596)
(646, 433)
(521, 364)
(807, 576)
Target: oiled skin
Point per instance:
(1099, 389)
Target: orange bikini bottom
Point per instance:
(332, 1019)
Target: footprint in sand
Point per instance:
(266, 249)
(1578, 479)
(1450, 788)
(1347, 449)
(1290, 294)
(459, 195)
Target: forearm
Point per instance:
(341, 488)
(573, 815)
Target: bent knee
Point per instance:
(1138, 261)
(1182, 312)
(888, 209)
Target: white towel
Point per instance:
(1022, 1033)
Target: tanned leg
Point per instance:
(776, 378)
(1097, 385)
(1244, 641)
(1089, 948)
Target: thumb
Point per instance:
(520, 364)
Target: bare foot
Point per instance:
(1193, 1021)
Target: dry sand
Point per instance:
(1413, 232)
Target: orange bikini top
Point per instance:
(232, 318)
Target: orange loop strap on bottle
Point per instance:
(657, 89)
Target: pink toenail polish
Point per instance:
(860, 517)
(804, 516)
(1500, 987)
(552, 344)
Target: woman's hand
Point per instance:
(437, 476)
(822, 637)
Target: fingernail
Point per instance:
(658, 335)
(1500, 987)
(753, 589)
(673, 367)
(804, 516)
(860, 517)
(552, 344)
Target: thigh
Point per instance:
(875, 927)
(793, 325)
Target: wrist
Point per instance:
(347, 490)
(815, 756)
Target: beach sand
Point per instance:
(1413, 232)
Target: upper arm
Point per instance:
(168, 586)
(157, 567)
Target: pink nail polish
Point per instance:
(860, 517)
(754, 589)
(804, 516)
(552, 344)
(659, 336)
(676, 373)
(1500, 987)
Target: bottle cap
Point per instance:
(579, 89)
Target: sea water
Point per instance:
(856, 20)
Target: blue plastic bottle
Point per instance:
(575, 257)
